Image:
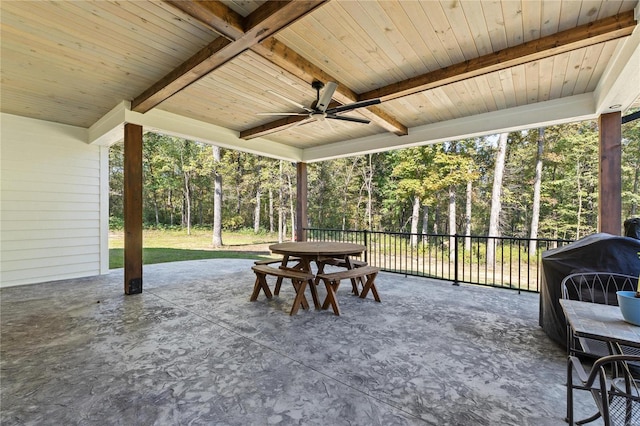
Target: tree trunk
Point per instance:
(452, 221)
(256, 212)
(496, 201)
(636, 178)
(156, 208)
(537, 184)
(292, 209)
(217, 199)
(170, 205)
(281, 224)
(467, 216)
(369, 183)
(415, 216)
(270, 210)
(425, 223)
(436, 218)
(187, 200)
(579, 213)
(348, 197)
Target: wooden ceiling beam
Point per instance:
(224, 21)
(271, 127)
(216, 15)
(265, 21)
(593, 33)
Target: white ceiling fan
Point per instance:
(319, 109)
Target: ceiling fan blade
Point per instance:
(283, 113)
(292, 102)
(327, 94)
(300, 123)
(349, 107)
(347, 118)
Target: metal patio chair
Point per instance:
(596, 287)
(613, 387)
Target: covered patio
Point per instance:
(192, 349)
(80, 76)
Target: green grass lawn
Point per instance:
(175, 245)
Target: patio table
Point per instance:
(600, 322)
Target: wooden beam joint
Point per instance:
(265, 21)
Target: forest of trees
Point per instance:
(544, 182)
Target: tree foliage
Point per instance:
(379, 191)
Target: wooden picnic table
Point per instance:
(319, 252)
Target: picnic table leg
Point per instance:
(285, 260)
(300, 286)
(314, 294)
(370, 285)
(332, 288)
(305, 265)
(320, 266)
(354, 281)
(261, 283)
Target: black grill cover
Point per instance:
(595, 253)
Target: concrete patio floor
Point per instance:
(192, 349)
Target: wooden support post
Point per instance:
(132, 204)
(610, 177)
(301, 201)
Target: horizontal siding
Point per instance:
(31, 215)
(39, 275)
(56, 260)
(22, 205)
(45, 244)
(61, 171)
(10, 259)
(54, 175)
(50, 201)
(46, 225)
(52, 196)
(88, 187)
(55, 164)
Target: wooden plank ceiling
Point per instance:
(224, 62)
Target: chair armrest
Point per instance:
(598, 366)
(579, 369)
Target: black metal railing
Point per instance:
(490, 261)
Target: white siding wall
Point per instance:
(53, 212)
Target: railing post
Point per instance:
(455, 260)
(366, 245)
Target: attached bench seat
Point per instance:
(296, 260)
(299, 279)
(342, 263)
(332, 282)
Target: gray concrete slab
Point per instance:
(192, 349)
